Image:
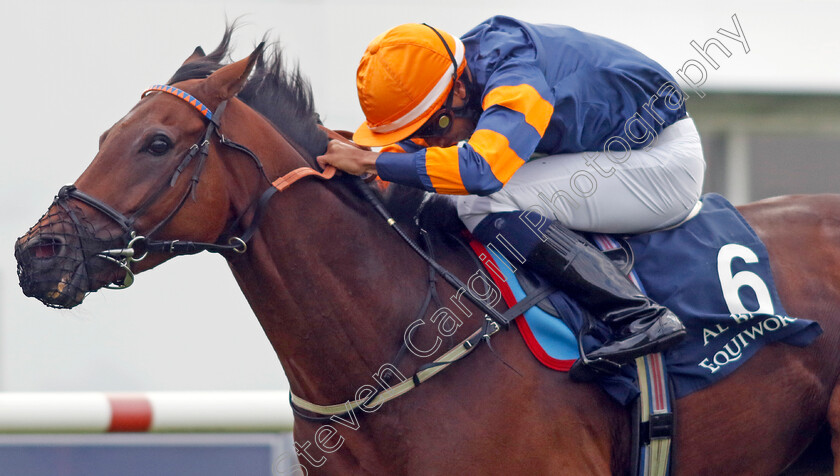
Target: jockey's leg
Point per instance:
(639, 325)
(650, 189)
(639, 191)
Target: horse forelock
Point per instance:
(282, 95)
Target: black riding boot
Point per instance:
(640, 326)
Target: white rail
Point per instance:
(182, 412)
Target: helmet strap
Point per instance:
(448, 104)
(441, 121)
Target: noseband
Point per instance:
(138, 246)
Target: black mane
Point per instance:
(284, 97)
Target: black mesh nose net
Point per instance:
(57, 258)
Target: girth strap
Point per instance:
(654, 429)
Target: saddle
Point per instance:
(699, 270)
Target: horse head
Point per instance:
(165, 181)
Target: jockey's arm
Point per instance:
(516, 112)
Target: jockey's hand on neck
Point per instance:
(348, 158)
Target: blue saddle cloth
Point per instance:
(714, 272)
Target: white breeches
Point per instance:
(613, 191)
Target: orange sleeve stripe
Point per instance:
(525, 99)
(446, 166)
(495, 148)
(490, 145)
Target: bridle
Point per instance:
(138, 246)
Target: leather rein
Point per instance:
(138, 246)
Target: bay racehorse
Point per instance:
(335, 290)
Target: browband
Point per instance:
(200, 107)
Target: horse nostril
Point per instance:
(45, 247)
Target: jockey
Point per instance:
(540, 129)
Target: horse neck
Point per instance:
(332, 286)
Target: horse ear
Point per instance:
(228, 80)
(196, 55)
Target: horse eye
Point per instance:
(158, 146)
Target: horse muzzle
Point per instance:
(60, 260)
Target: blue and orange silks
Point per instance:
(545, 88)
